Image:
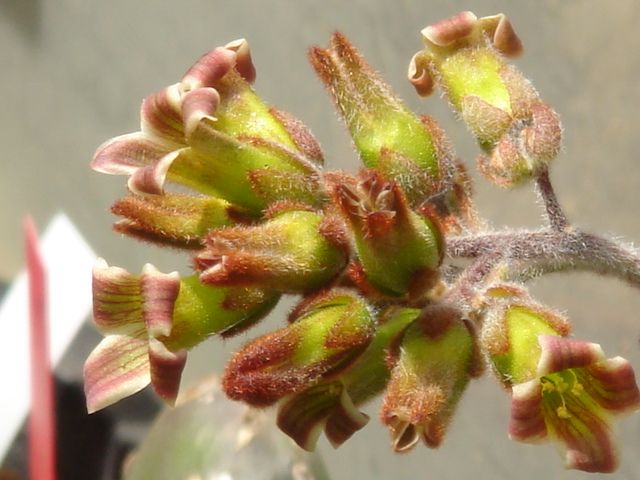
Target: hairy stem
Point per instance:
(533, 253)
(557, 219)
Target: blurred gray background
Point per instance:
(74, 73)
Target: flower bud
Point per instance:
(173, 219)
(387, 135)
(328, 334)
(398, 249)
(433, 364)
(332, 405)
(562, 389)
(150, 321)
(212, 133)
(464, 55)
(293, 251)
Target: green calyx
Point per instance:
(523, 327)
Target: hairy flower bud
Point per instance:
(329, 332)
(173, 219)
(398, 249)
(387, 135)
(212, 133)
(562, 389)
(464, 56)
(433, 364)
(292, 251)
(150, 321)
(332, 406)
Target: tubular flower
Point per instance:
(150, 321)
(332, 405)
(562, 388)
(464, 56)
(292, 251)
(210, 132)
(327, 335)
(399, 250)
(433, 364)
(411, 150)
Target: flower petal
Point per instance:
(561, 353)
(116, 368)
(160, 115)
(123, 155)
(527, 420)
(197, 104)
(447, 31)
(244, 64)
(613, 385)
(117, 304)
(209, 69)
(159, 293)
(150, 179)
(166, 370)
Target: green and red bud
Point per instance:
(332, 405)
(433, 363)
(398, 249)
(150, 321)
(174, 219)
(294, 251)
(464, 56)
(561, 388)
(388, 136)
(212, 133)
(327, 335)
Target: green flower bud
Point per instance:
(433, 364)
(293, 251)
(173, 219)
(329, 332)
(399, 250)
(464, 55)
(387, 135)
(332, 405)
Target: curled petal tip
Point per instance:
(244, 62)
(150, 180)
(419, 75)
(198, 104)
(504, 37)
(124, 154)
(447, 31)
(166, 370)
(208, 71)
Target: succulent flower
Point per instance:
(432, 365)
(386, 308)
(561, 389)
(150, 321)
(464, 55)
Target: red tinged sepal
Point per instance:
(329, 333)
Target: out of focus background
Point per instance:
(73, 74)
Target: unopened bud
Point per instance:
(327, 335)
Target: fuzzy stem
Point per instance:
(534, 253)
(557, 219)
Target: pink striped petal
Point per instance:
(447, 31)
(503, 36)
(561, 353)
(117, 304)
(244, 63)
(160, 115)
(150, 179)
(117, 367)
(123, 155)
(208, 71)
(159, 293)
(612, 384)
(166, 370)
(197, 104)
(527, 419)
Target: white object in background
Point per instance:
(68, 261)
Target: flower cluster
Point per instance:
(240, 184)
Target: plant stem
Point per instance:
(533, 253)
(557, 219)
